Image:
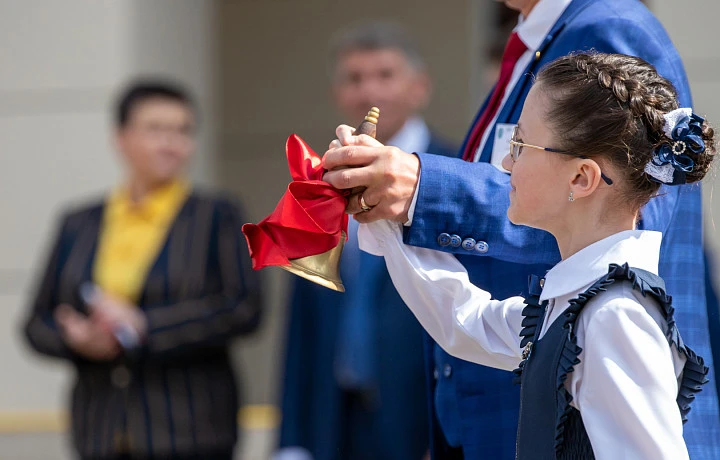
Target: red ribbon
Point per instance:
(308, 220)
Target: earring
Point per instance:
(570, 198)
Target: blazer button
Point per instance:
(436, 373)
(443, 239)
(447, 371)
(482, 247)
(468, 244)
(455, 241)
(120, 377)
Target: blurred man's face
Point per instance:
(381, 78)
(157, 140)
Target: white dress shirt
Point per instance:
(414, 136)
(532, 31)
(626, 384)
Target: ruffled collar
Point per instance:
(637, 248)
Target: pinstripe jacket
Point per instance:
(178, 396)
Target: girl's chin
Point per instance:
(512, 216)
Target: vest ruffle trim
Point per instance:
(694, 372)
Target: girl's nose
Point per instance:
(507, 163)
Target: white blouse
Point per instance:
(626, 384)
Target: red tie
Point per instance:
(513, 50)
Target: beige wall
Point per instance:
(54, 87)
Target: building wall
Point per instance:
(58, 73)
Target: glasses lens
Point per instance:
(515, 149)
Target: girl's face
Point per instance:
(540, 180)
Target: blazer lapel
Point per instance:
(510, 111)
(79, 266)
(170, 262)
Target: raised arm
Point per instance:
(460, 317)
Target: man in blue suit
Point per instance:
(354, 384)
(450, 205)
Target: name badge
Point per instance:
(501, 144)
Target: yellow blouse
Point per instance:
(131, 237)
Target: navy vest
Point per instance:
(549, 427)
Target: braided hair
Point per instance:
(610, 107)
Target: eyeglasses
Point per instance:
(517, 146)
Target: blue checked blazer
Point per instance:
(471, 201)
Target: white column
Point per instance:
(60, 65)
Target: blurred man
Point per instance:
(142, 294)
(354, 376)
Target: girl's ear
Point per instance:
(586, 177)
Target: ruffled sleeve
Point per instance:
(627, 388)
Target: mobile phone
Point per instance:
(126, 336)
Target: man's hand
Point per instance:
(112, 312)
(389, 174)
(85, 336)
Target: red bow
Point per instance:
(308, 220)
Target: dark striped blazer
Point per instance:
(178, 396)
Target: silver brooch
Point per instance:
(526, 351)
(679, 147)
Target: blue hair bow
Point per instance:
(670, 161)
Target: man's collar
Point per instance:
(534, 28)
(154, 205)
(413, 137)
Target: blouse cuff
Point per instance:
(373, 236)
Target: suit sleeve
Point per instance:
(40, 329)
(471, 200)
(212, 320)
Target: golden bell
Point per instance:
(323, 269)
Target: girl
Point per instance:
(603, 371)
